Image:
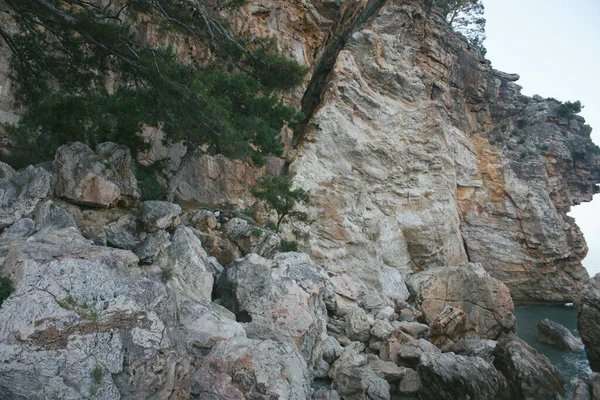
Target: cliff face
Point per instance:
(420, 155)
(417, 153)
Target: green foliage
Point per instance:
(277, 192)
(465, 17)
(149, 185)
(524, 156)
(522, 123)
(96, 375)
(6, 289)
(167, 274)
(288, 246)
(257, 232)
(66, 60)
(568, 109)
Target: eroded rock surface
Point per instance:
(588, 320)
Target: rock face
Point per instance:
(527, 373)
(556, 334)
(279, 298)
(588, 320)
(485, 300)
(450, 377)
(102, 179)
(22, 193)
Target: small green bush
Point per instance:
(568, 109)
(524, 155)
(522, 123)
(6, 289)
(167, 274)
(149, 185)
(257, 232)
(287, 246)
(97, 374)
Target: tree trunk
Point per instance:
(176, 178)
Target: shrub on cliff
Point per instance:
(277, 192)
(82, 72)
(568, 109)
(5, 289)
(465, 17)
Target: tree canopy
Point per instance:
(84, 71)
(465, 17)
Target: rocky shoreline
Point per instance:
(118, 298)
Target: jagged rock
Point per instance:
(410, 383)
(156, 215)
(485, 300)
(450, 376)
(409, 354)
(120, 239)
(414, 329)
(353, 379)
(326, 395)
(6, 171)
(588, 320)
(222, 249)
(390, 348)
(251, 238)
(190, 267)
(342, 293)
(382, 329)
(554, 333)
(243, 368)
(358, 326)
(448, 327)
(152, 245)
(22, 193)
(594, 380)
(279, 298)
(476, 348)
(204, 220)
(385, 313)
(21, 229)
(387, 370)
(331, 349)
(527, 373)
(52, 217)
(102, 179)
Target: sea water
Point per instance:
(571, 363)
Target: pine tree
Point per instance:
(465, 17)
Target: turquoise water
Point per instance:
(571, 364)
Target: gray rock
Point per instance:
(476, 348)
(409, 354)
(580, 390)
(528, 374)
(120, 239)
(250, 238)
(101, 179)
(222, 249)
(279, 298)
(152, 245)
(387, 370)
(382, 329)
(331, 349)
(594, 380)
(554, 333)
(358, 326)
(22, 194)
(204, 220)
(6, 171)
(449, 376)
(326, 395)
(21, 229)
(156, 215)
(354, 379)
(52, 217)
(410, 383)
(588, 320)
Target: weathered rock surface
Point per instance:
(251, 238)
(554, 333)
(527, 373)
(485, 300)
(102, 179)
(450, 376)
(588, 320)
(22, 193)
(278, 298)
(157, 215)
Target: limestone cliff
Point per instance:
(417, 153)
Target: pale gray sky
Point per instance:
(554, 45)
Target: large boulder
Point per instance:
(251, 238)
(449, 376)
(484, 299)
(527, 373)
(101, 179)
(354, 379)
(278, 298)
(243, 368)
(588, 321)
(554, 333)
(21, 194)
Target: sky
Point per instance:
(554, 45)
